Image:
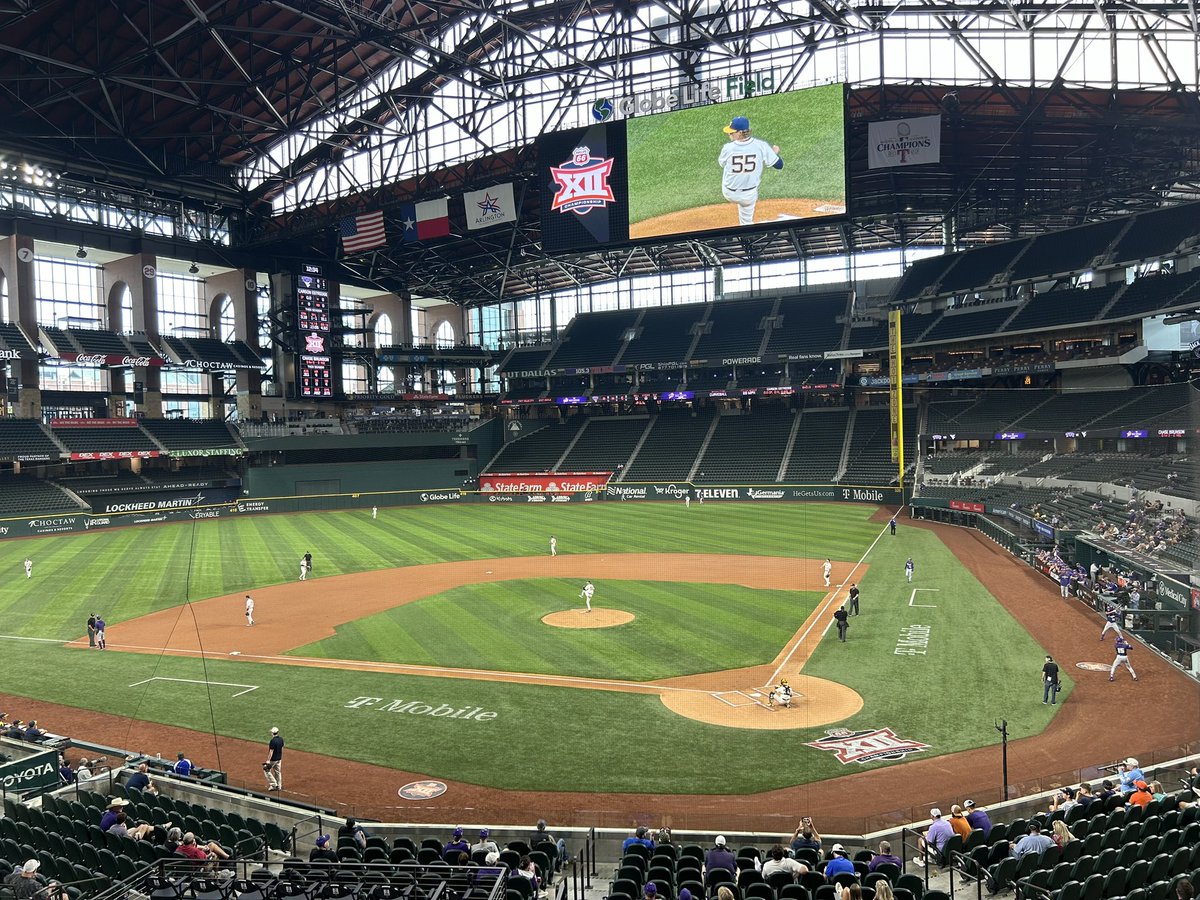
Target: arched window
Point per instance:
(383, 331)
(225, 329)
(444, 336)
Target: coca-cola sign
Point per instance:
(111, 359)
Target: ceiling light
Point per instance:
(193, 269)
(81, 253)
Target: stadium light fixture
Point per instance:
(81, 253)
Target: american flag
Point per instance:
(361, 233)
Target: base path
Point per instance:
(216, 626)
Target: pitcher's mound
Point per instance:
(581, 618)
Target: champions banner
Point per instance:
(543, 482)
(904, 142)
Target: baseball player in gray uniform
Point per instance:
(742, 162)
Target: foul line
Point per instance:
(248, 687)
(402, 668)
(818, 613)
(921, 605)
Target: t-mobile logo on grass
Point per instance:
(417, 708)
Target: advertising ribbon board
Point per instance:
(543, 482)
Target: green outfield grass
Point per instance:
(673, 156)
(680, 629)
(979, 664)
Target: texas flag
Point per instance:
(423, 221)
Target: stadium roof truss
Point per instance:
(292, 113)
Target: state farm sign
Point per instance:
(543, 482)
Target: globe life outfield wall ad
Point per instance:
(682, 171)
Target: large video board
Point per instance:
(760, 162)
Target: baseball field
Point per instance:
(446, 643)
(675, 183)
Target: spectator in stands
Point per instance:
(720, 857)
(1141, 795)
(33, 733)
(934, 839)
(455, 845)
(65, 773)
(527, 869)
(724, 893)
(1063, 800)
(24, 882)
(1131, 773)
(883, 890)
(115, 806)
(640, 836)
(1156, 789)
(977, 818)
(351, 829)
(852, 891)
(959, 822)
(122, 827)
(1107, 789)
(485, 843)
(15, 730)
(183, 766)
(1033, 842)
(884, 857)
(191, 849)
(541, 835)
(1083, 795)
(806, 837)
(839, 862)
(322, 850)
(779, 861)
(139, 780)
(83, 771)
(1184, 889)
(1061, 834)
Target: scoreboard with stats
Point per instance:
(315, 360)
(315, 376)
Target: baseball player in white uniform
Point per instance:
(374, 512)
(742, 162)
(249, 610)
(553, 545)
(28, 567)
(826, 571)
(586, 595)
(303, 569)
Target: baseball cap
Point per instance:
(720, 840)
(458, 832)
(1131, 762)
(935, 812)
(739, 123)
(1140, 784)
(968, 804)
(685, 894)
(838, 848)
(274, 730)
(483, 832)
(31, 866)
(323, 841)
(651, 888)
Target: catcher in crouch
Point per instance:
(781, 694)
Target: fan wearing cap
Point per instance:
(456, 844)
(109, 817)
(1131, 773)
(1141, 793)
(24, 882)
(484, 843)
(322, 850)
(977, 818)
(935, 838)
(640, 836)
(273, 767)
(839, 862)
(720, 857)
(742, 163)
